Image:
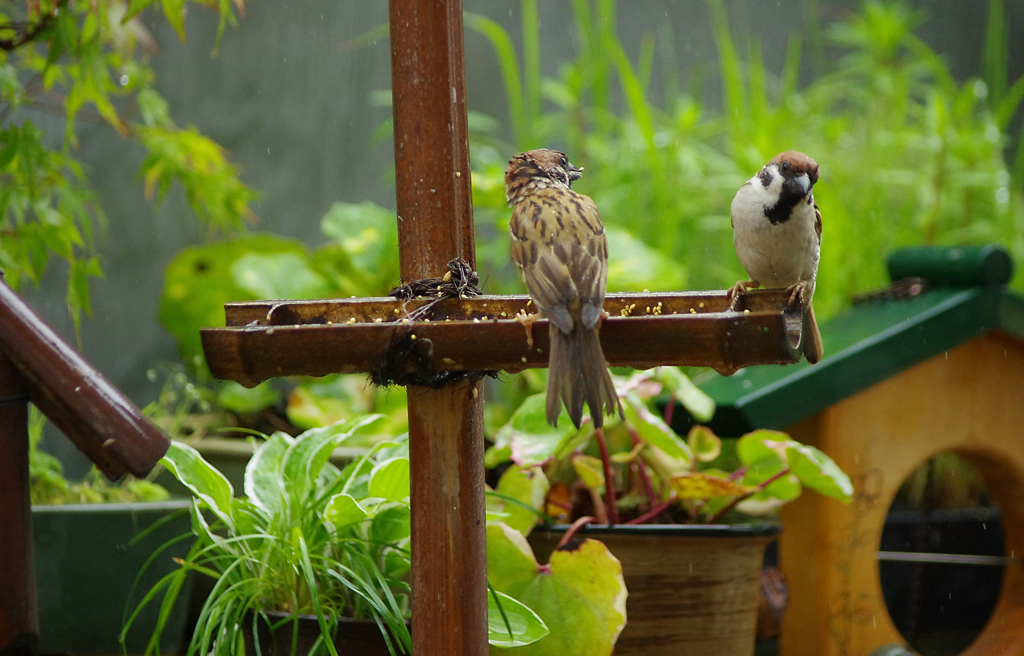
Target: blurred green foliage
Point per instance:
(201, 279)
(48, 486)
(89, 60)
(359, 259)
(907, 154)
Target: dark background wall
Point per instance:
(290, 97)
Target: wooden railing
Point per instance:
(37, 366)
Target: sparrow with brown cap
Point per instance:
(559, 244)
(777, 235)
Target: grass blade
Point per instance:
(509, 64)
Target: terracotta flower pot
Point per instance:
(692, 589)
(354, 637)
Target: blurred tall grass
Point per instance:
(908, 155)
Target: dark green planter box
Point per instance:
(85, 570)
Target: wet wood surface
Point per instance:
(265, 339)
(19, 620)
(435, 225)
(101, 421)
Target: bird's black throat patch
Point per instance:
(790, 197)
(778, 213)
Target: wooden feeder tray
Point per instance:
(268, 339)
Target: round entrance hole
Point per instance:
(941, 556)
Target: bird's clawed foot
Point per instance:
(528, 320)
(795, 294)
(737, 291)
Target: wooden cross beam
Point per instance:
(267, 339)
(435, 225)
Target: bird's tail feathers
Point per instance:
(813, 348)
(579, 373)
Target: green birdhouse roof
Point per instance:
(945, 297)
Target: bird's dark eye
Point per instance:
(785, 166)
(564, 162)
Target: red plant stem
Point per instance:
(670, 408)
(599, 509)
(646, 478)
(652, 513)
(642, 466)
(738, 474)
(609, 481)
(571, 531)
(743, 497)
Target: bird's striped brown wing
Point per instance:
(817, 221)
(558, 242)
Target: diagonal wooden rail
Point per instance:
(36, 365)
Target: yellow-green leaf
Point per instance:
(590, 470)
(705, 445)
(174, 10)
(704, 485)
(529, 486)
(581, 595)
(629, 456)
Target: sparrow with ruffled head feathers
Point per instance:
(559, 244)
(777, 235)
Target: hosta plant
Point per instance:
(308, 538)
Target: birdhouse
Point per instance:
(935, 363)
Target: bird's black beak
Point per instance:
(574, 173)
(802, 182)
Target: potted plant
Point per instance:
(92, 538)
(315, 558)
(679, 522)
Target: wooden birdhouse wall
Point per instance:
(969, 400)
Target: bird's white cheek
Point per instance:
(748, 205)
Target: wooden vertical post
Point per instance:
(435, 225)
(19, 620)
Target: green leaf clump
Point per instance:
(308, 538)
(657, 476)
(48, 485)
(90, 60)
(909, 155)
